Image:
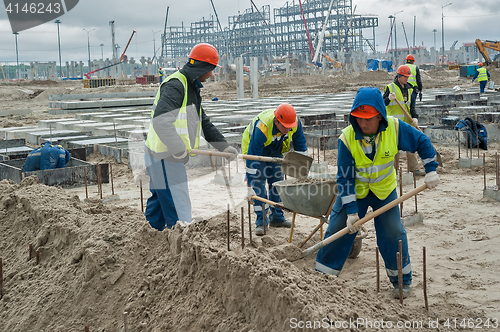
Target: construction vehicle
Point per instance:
(483, 45)
(334, 62)
(123, 58)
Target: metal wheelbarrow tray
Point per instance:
(311, 197)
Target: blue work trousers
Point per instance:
(169, 201)
(272, 173)
(482, 85)
(331, 258)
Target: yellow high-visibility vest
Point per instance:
(393, 108)
(153, 142)
(483, 76)
(378, 175)
(412, 80)
(266, 126)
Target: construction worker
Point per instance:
(176, 121)
(366, 177)
(482, 75)
(401, 90)
(270, 134)
(414, 80)
(160, 75)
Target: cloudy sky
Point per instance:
(464, 21)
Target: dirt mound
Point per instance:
(98, 261)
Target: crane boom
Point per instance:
(123, 57)
(311, 49)
(322, 34)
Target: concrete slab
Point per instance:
(23, 111)
(75, 105)
(33, 136)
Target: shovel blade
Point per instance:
(296, 165)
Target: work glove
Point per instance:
(414, 122)
(351, 219)
(250, 193)
(432, 179)
(420, 96)
(233, 151)
(392, 96)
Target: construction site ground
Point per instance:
(100, 264)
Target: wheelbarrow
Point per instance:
(311, 198)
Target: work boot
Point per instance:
(406, 291)
(259, 230)
(282, 223)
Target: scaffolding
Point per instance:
(252, 33)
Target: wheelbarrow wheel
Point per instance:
(358, 243)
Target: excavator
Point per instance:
(334, 62)
(483, 45)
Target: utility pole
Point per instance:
(442, 26)
(112, 23)
(59, 41)
(88, 43)
(17, 55)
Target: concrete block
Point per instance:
(492, 192)
(321, 167)
(470, 162)
(412, 219)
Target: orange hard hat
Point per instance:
(409, 58)
(206, 53)
(286, 115)
(365, 112)
(404, 70)
(480, 64)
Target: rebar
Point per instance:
(324, 148)
(99, 183)
(425, 279)
(378, 269)
(458, 132)
(399, 257)
(86, 190)
(401, 190)
(111, 178)
(242, 227)
(415, 186)
(228, 212)
(484, 170)
(140, 188)
(249, 222)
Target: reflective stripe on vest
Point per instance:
(378, 175)
(483, 76)
(393, 108)
(412, 80)
(153, 142)
(267, 120)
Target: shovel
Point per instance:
(439, 159)
(294, 164)
(363, 220)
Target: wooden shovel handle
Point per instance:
(406, 113)
(363, 220)
(242, 156)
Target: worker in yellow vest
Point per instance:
(270, 134)
(366, 177)
(176, 122)
(482, 75)
(415, 80)
(401, 90)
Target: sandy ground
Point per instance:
(98, 260)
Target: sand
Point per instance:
(99, 260)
